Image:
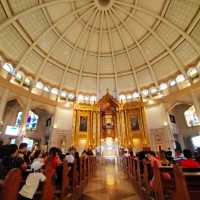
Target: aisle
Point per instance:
(110, 183)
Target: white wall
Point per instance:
(156, 116)
(63, 119)
(160, 135)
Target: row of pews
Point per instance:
(170, 182)
(70, 186)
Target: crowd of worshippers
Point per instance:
(32, 164)
(185, 158)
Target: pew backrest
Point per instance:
(11, 184)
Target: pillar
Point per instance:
(24, 120)
(98, 129)
(94, 127)
(3, 103)
(196, 103)
(118, 128)
(169, 134)
(53, 125)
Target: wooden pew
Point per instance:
(184, 183)
(187, 183)
(11, 185)
(47, 190)
(50, 190)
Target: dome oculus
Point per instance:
(104, 4)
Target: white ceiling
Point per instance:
(88, 46)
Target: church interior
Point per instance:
(99, 99)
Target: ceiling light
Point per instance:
(163, 86)
(165, 123)
(180, 78)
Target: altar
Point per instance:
(109, 125)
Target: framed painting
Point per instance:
(83, 124)
(134, 122)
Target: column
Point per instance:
(196, 103)
(91, 128)
(123, 128)
(23, 123)
(118, 128)
(25, 116)
(98, 129)
(3, 103)
(146, 132)
(169, 135)
(51, 134)
(94, 129)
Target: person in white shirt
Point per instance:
(32, 182)
(69, 158)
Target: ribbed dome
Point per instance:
(87, 46)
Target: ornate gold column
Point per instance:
(146, 132)
(123, 126)
(90, 132)
(98, 129)
(77, 128)
(129, 140)
(74, 127)
(118, 127)
(94, 128)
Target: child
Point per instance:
(32, 182)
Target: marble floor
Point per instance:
(110, 183)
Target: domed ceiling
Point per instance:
(87, 46)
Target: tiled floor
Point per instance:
(110, 183)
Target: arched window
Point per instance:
(191, 117)
(19, 76)
(39, 85)
(8, 68)
(31, 122)
(54, 91)
(47, 89)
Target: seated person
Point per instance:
(32, 182)
(22, 152)
(9, 159)
(163, 159)
(189, 162)
(179, 156)
(69, 158)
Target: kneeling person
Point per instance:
(32, 182)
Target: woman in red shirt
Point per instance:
(188, 162)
